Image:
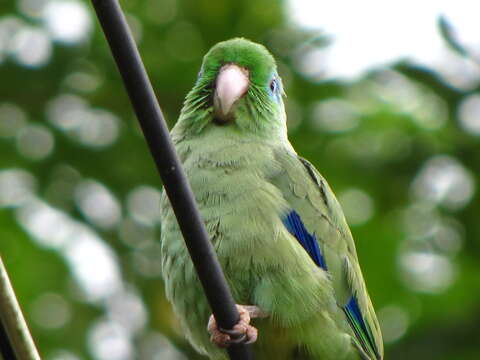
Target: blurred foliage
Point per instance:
(399, 146)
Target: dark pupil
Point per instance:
(273, 85)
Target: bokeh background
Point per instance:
(383, 97)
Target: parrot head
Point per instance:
(237, 86)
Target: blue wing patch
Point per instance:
(295, 226)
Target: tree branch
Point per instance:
(16, 342)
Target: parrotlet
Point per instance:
(278, 230)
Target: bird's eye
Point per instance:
(273, 85)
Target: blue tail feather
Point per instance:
(360, 328)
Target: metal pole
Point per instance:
(16, 342)
(168, 164)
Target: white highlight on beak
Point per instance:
(232, 83)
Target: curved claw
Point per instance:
(232, 332)
(238, 340)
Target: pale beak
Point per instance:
(231, 84)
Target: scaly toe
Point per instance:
(252, 334)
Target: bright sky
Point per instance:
(365, 34)
(369, 33)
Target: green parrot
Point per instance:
(278, 230)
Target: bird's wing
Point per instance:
(315, 219)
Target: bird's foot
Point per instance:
(241, 333)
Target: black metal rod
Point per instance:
(175, 182)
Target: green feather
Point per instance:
(246, 177)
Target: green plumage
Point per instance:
(246, 177)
